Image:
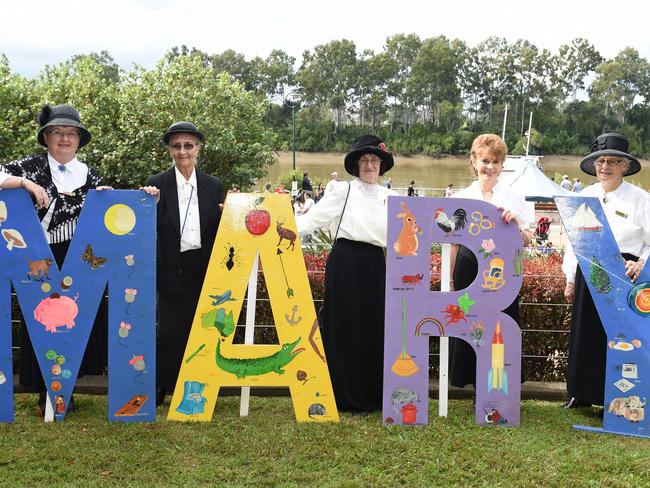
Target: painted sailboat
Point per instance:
(585, 219)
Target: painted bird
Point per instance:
(456, 222)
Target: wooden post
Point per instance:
(249, 331)
(443, 378)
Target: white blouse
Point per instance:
(188, 210)
(4, 176)
(364, 219)
(502, 197)
(628, 212)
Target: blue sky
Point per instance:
(38, 32)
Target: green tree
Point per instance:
(328, 75)
(495, 74)
(433, 84)
(573, 63)
(276, 73)
(237, 147)
(236, 66)
(619, 82)
(18, 113)
(402, 51)
(111, 69)
(369, 92)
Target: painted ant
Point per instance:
(230, 260)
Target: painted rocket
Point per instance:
(498, 376)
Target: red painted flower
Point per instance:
(382, 146)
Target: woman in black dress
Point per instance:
(627, 208)
(188, 215)
(488, 154)
(352, 317)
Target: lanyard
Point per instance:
(187, 209)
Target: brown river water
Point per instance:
(431, 175)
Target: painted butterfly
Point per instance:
(90, 258)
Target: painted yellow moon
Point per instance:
(119, 219)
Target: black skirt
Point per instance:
(587, 346)
(95, 358)
(352, 324)
(175, 316)
(462, 358)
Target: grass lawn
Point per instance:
(270, 449)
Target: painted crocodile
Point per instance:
(242, 367)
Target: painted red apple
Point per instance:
(258, 221)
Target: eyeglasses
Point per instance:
(371, 162)
(610, 161)
(188, 146)
(61, 134)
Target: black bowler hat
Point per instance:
(610, 144)
(65, 115)
(182, 128)
(367, 144)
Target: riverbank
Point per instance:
(429, 172)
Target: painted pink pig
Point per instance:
(56, 311)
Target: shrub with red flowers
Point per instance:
(545, 314)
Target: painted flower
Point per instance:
(382, 146)
(476, 332)
(487, 247)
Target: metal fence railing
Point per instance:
(544, 344)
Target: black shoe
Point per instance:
(360, 413)
(573, 403)
(71, 406)
(39, 410)
(160, 396)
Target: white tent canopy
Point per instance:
(528, 180)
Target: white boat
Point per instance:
(513, 163)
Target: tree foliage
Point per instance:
(427, 96)
(127, 115)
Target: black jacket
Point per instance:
(210, 194)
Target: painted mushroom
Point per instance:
(3, 212)
(14, 239)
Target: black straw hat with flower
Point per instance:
(65, 115)
(368, 144)
(610, 144)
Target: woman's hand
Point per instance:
(103, 188)
(569, 292)
(508, 216)
(152, 190)
(41, 196)
(633, 269)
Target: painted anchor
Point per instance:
(293, 320)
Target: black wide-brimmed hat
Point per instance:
(65, 115)
(367, 144)
(182, 128)
(610, 144)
